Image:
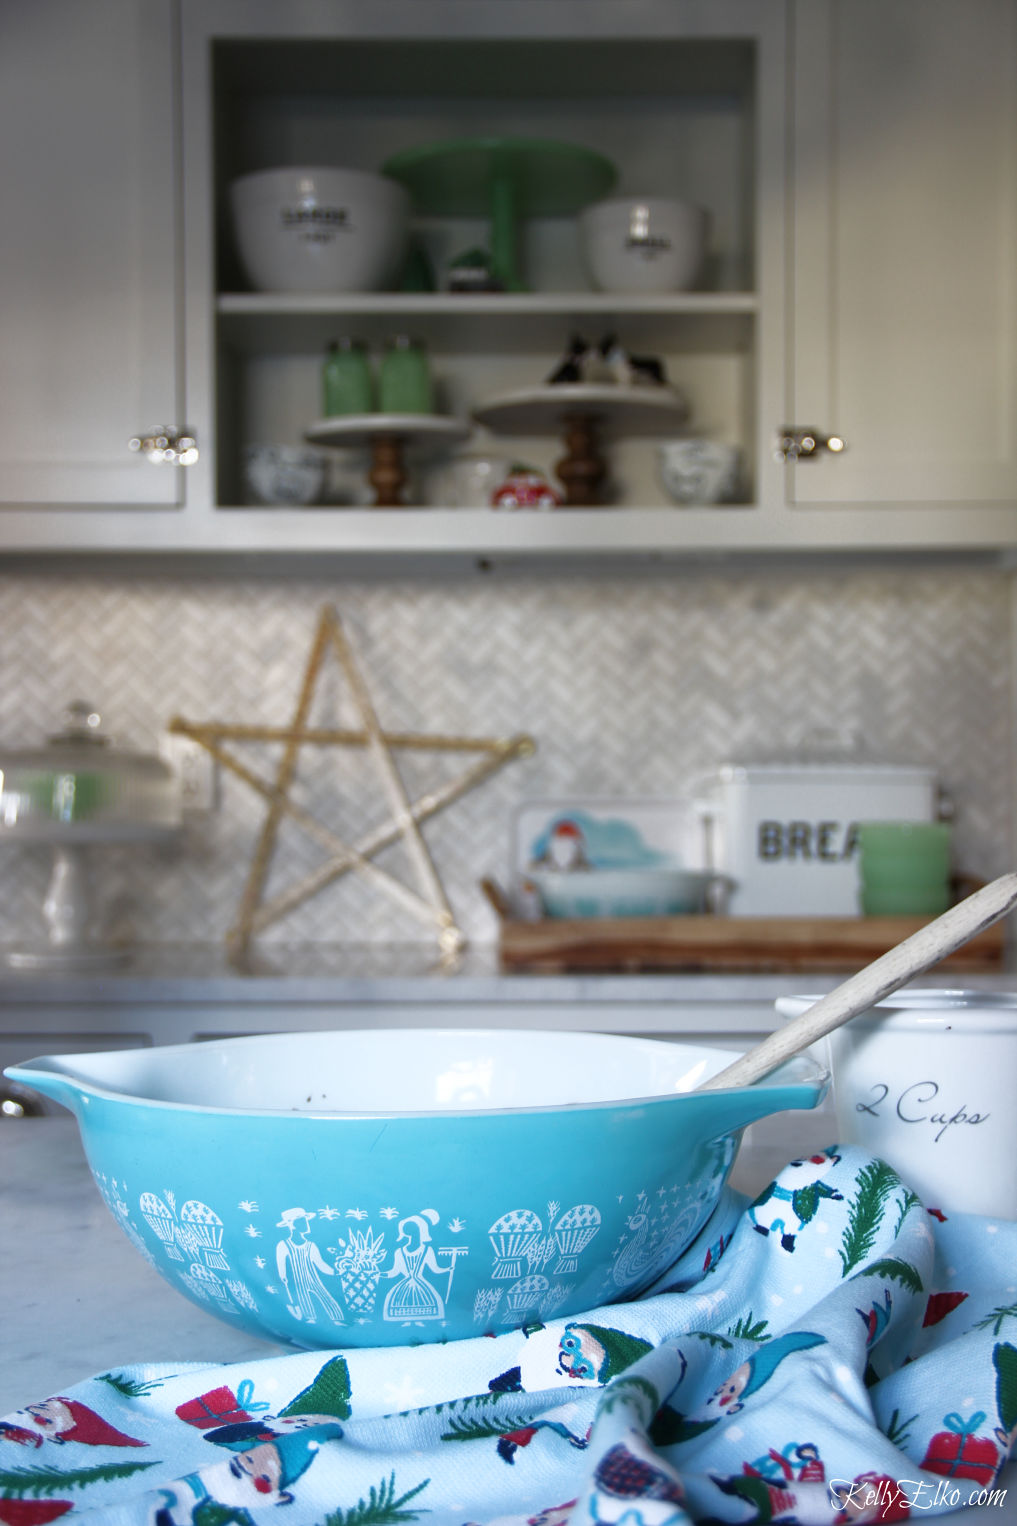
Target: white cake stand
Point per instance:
(72, 941)
(389, 436)
(584, 413)
(75, 795)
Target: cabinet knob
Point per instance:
(794, 444)
(178, 447)
(19, 1102)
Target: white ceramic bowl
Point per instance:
(283, 474)
(470, 481)
(381, 1187)
(699, 471)
(925, 1080)
(621, 892)
(319, 229)
(644, 244)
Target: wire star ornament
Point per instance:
(425, 899)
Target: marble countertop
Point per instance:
(388, 972)
(77, 1299)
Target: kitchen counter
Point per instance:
(171, 995)
(386, 975)
(78, 1300)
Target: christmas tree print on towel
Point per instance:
(22, 1489)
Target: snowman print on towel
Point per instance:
(791, 1202)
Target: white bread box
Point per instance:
(786, 833)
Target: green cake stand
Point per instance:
(504, 179)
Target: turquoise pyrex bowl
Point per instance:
(386, 1187)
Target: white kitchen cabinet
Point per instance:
(902, 315)
(886, 318)
(686, 99)
(88, 183)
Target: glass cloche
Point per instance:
(79, 787)
(78, 793)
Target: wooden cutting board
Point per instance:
(727, 944)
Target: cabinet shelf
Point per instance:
(259, 323)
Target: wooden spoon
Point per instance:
(885, 975)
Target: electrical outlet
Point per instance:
(196, 770)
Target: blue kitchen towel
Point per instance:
(831, 1352)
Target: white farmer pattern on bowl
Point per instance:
(330, 1266)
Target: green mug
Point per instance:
(404, 378)
(904, 867)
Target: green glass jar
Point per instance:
(346, 379)
(404, 378)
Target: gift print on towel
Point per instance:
(962, 1449)
(782, 1485)
(227, 1417)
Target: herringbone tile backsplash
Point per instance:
(629, 685)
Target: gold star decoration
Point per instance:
(426, 900)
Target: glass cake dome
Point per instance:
(79, 787)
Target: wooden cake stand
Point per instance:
(583, 414)
(389, 436)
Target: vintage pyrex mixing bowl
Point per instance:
(384, 1187)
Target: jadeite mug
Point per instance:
(925, 1080)
(904, 867)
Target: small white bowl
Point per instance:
(470, 481)
(283, 474)
(644, 244)
(700, 471)
(319, 229)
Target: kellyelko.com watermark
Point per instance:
(869, 1500)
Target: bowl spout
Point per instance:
(42, 1076)
(799, 1083)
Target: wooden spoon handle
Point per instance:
(880, 979)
